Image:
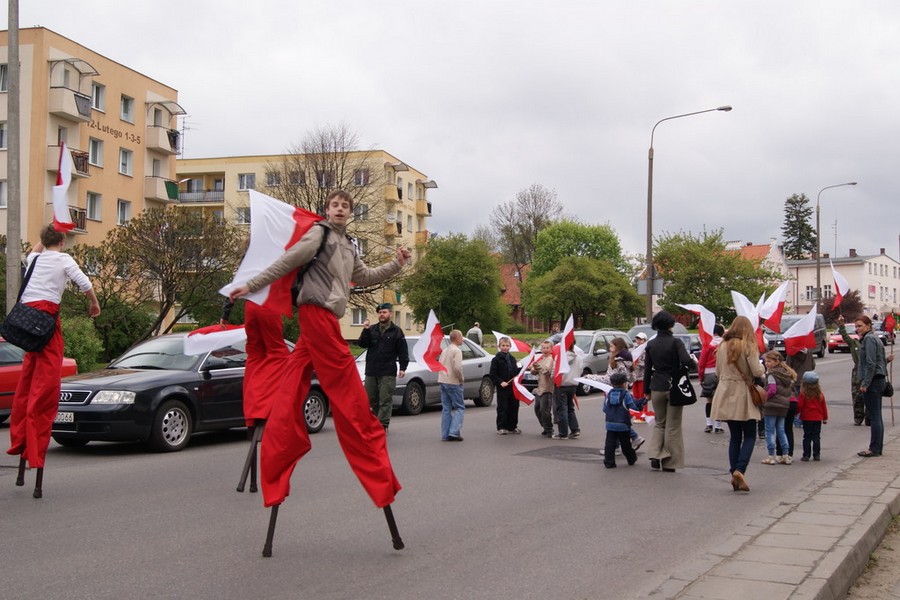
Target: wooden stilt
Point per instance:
(20, 478)
(253, 469)
(273, 516)
(251, 458)
(39, 483)
(392, 525)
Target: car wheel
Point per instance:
(68, 442)
(3, 418)
(413, 398)
(172, 427)
(485, 392)
(821, 352)
(583, 389)
(315, 410)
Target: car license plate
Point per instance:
(64, 417)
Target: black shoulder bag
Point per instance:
(25, 326)
(682, 392)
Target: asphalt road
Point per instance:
(492, 517)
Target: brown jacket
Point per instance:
(732, 400)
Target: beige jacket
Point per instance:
(327, 282)
(732, 400)
(451, 358)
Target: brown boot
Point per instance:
(741, 482)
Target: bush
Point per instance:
(82, 342)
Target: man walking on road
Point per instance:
(386, 346)
(451, 382)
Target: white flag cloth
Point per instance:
(605, 387)
(745, 308)
(428, 348)
(207, 339)
(519, 390)
(841, 285)
(517, 345)
(62, 219)
(772, 309)
(801, 334)
(707, 321)
(559, 351)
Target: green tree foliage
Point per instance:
(569, 238)
(699, 270)
(460, 280)
(82, 342)
(798, 234)
(590, 289)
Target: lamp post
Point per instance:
(819, 242)
(651, 271)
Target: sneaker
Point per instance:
(779, 459)
(546, 433)
(816, 458)
(516, 431)
(805, 458)
(719, 430)
(708, 429)
(502, 432)
(788, 459)
(575, 434)
(556, 436)
(769, 460)
(638, 443)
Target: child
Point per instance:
(618, 420)
(543, 367)
(503, 371)
(813, 412)
(779, 383)
(709, 381)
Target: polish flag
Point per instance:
(519, 390)
(745, 308)
(62, 219)
(801, 334)
(275, 226)
(773, 308)
(559, 351)
(841, 286)
(706, 324)
(207, 339)
(428, 347)
(517, 345)
(604, 387)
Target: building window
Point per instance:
(363, 246)
(408, 320)
(273, 179)
(123, 212)
(3, 135)
(246, 181)
(127, 112)
(325, 179)
(242, 215)
(156, 168)
(298, 178)
(358, 316)
(94, 206)
(409, 194)
(4, 198)
(361, 212)
(218, 184)
(408, 223)
(810, 292)
(126, 160)
(98, 97)
(95, 152)
(157, 117)
(4, 78)
(361, 177)
(826, 291)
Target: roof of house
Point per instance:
(755, 252)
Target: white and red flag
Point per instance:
(213, 337)
(801, 334)
(559, 351)
(706, 324)
(603, 387)
(841, 286)
(772, 309)
(744, 308)
(428, 348)
(62, 219)
(519, 391)
(275, 226)
(517, 345)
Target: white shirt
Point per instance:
(51, 273)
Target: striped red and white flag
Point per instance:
(517, 345)
(773, 308)
(841, 286)
(519, 391)
(62, 218)
(427, 349)
(801, 334)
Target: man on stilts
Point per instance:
(322, 300)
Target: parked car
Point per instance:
(648, 330)
(775, 341)
(836, 342)
(595, 345)
(419, 387)
(11, 369)
(155, 393)
(693, 345)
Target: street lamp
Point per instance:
(819, 242)
(651, 271)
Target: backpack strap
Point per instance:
(27, 277)
(298, 280)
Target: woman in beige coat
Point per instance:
(738, 362)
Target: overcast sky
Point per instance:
(487, 97)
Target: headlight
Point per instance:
(113, 397)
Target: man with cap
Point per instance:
(475, 334)
(386, 346)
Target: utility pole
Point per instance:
(14, 194)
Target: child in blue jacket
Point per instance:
(618, 420)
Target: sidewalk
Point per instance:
(811, 546)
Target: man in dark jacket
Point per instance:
(386, 346)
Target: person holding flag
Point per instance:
(321, 301)
(544, 367)
(503, 372)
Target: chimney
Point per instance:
(751, 243)
(852, 252)
(882, 250)
(825, 255)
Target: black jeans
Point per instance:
(609, 449)
(812, 432)
(507, 409)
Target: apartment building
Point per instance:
(119, 126)
(391, 203)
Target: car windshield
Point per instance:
(584, 342)
(159, 353)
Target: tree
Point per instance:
(569, 238)
(518, 222)
(799, 236)
(699, 270)
(460, 280)
(484, 233)
(851, 307)
(590, 289)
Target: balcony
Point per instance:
(70, 104)
(79, 161)
(423, 208)
(160, 189)
(163, 139)
(391, 193)
(421, 238)
(392, 230)
(207, 197)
